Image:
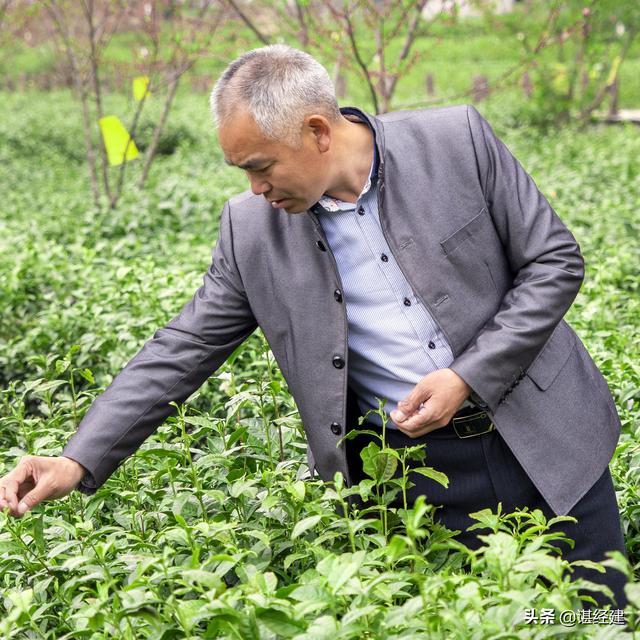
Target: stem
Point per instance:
(352, 539)
(265, 423)
(404, 478)
(186, 439)
(73, 397)
(35, 557)
(138, 506)
(276, 411)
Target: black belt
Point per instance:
(471, 421)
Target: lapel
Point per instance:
(405, 217)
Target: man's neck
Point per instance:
(354, 150)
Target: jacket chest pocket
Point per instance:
(476, 253)
(472, 228)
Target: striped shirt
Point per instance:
(393, 339)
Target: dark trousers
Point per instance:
(482, 471)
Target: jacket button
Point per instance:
(336, 428)
(384, 257)
(321, 245)
(432, 344)
(407, 302)
(361, 210)
(337, 294)
(338, 362)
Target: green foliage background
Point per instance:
(204, 532)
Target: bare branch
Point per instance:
(4, 9)
(304, 31)
(52, 8)
(97, 90)
(360, 61)
(178, 67)
(243, 16)
(408, 43)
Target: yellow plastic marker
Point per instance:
(140, 87)
(116, 138)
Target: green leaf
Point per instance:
(291, 558)
(87, 374)
(378, 464)
(37, 531)
(430, 472)
(205, 578)
(305, 525)
(279, 622)
(297, 489)
(61, 366)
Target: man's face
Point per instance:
(291, 179)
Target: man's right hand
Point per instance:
(38, 478)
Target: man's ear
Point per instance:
(318, 126)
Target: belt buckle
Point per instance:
(464, 430)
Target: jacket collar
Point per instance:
(378, 131)
(378, 135)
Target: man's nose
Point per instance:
(259, 185)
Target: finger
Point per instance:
(420, 393)
(41, 491)
(418, 421)
(406, 408)
(425, 420)
(409, 406)
(13, 481)
(25, 487)
(11, 493)
(31, 499)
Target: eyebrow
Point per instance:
(252, 163)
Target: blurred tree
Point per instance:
(169, 36)
(585, 44)
(355, 36)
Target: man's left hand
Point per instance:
(431, 404)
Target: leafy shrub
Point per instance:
(213, 528)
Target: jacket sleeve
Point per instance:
(169, 368)
(543, 255)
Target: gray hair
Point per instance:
(279, 85)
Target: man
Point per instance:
(407, 256)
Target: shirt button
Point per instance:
(361, 210)
(384, 257)
(432, 344)
(321, 245)
(337, 294)
(336, 428)
(338, 362)
(407, 302)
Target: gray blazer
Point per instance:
(483, 250)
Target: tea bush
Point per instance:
(213, 529)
